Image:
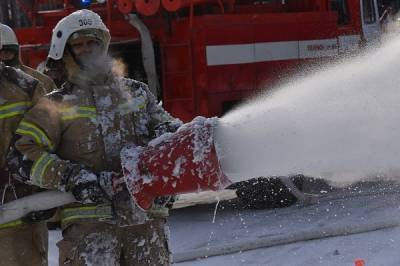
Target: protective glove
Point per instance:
(167, 127)
(86, 188)
(165, 202)
(161, 206)
(111, 182)
(37, 216)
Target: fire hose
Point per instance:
(21, 207)
(175, 163)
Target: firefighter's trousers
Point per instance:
(100, 243)
(23, 245)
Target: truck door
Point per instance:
(370, 20)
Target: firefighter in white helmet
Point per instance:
(24, 240)
(10, 56)
(71, 141)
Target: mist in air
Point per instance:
(340, 123)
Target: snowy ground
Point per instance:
(196, 229)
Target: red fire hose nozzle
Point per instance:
(175, 163)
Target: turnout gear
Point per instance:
(45, 81)
(18, 90)
(24, 239)
(86, 123)
(17, 93)
(105, 244)
(88, 127)
(85, 128)
(19, 241)
(24, 244)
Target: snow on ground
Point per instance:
(192, 228)
(376, 248)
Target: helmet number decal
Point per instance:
(85, 22)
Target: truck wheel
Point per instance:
(266, 193)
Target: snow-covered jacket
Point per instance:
(46, 82)
(18, 91)
(87, 123)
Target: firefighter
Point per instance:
(10, 55)
(71, 141)
(23, 240)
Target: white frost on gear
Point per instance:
(161, 139)
(100, 250)
(104, 102)
(23, 79)
(154, 237)
(178, 170)
(85, 176)
(141, 243)
(130, 160)
(203, 141)
(106, 118)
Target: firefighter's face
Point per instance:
(6, 55)
(85, 46)
(87, 52)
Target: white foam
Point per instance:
(341, 123)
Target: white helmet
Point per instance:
(8, 36)
(79, 20)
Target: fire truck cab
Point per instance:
(211, 54)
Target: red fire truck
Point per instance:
(202, 57)
(210, 54)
